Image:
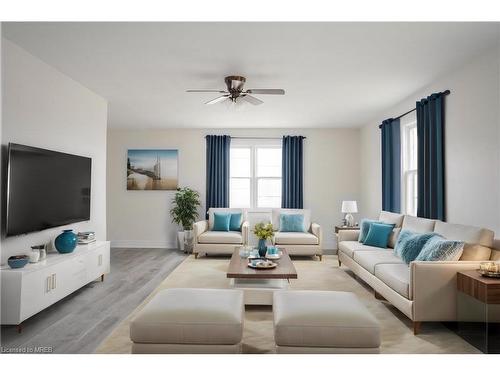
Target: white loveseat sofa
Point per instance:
(423, 291)
(207, 241)
(306, 243)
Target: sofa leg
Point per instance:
(340, 263)
(195, 255)
(416, 327)
(320, 257)
(379, 296)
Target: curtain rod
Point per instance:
(260, 138)
(446, 92)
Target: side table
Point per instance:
(478, 310)
(340, 227)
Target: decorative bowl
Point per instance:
(18, 261)
(261, 264)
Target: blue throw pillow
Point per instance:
(291, 223)
(378, 234)
(439, 248)
(410, 244)
(364, 228)
(235, 222)
(221, 221)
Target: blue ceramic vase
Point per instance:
(66, 241)
(262, 247)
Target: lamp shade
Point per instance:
(349, 207)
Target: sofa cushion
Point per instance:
(370, 258)
(418, 224)
(191, 316)
(291, 211)
(478, 241)
(349, 247)
(438, 248)
(221, 221)
(295, 238)
(364, 228)
(291, 223)
(235, 221)
(378, 235)
(395, 276)
(231, 210)
(410, 244)
(393, 238)
(307, 318)
(495, 255)
(220, 237)
(391, 218)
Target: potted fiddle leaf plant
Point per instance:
(184, 212)
(263, 232)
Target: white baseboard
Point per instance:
(143, 244)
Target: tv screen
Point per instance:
(45, 189)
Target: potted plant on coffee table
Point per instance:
(184, 212)
(263, 232)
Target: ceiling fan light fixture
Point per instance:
(236, 94)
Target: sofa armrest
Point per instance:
(348, 235)
(245, 226)
(199, 227)
(433, 288)
(316, 230)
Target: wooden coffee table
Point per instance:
(259, 285)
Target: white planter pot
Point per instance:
(180, 240)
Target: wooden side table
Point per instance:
(340, 227)
(478, 310)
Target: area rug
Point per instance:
(397, 334)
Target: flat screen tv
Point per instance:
(45, 189)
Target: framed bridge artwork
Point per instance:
(152, 169)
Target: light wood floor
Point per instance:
(79, 322)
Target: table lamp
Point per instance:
(348, 208)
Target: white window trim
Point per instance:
(407, 123)
(253, 145)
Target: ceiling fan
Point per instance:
(235, 93)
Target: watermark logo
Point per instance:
(27, 349)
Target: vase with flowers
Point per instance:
(263, 232)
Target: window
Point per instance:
(255, 174)
(409, 164)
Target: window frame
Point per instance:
(407, 174)
(254, 145)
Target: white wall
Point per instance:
(44, 108)
(141, 218)
(472, 144)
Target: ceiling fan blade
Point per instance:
(219, 91)
(251, 99)
(218, 99)
(266, 91)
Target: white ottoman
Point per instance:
(190, 321)
(323, 322)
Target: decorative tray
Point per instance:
(489, 273)
(262, 264)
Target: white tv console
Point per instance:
(27, 291)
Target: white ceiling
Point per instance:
(334, 74)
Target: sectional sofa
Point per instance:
(423, 291)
